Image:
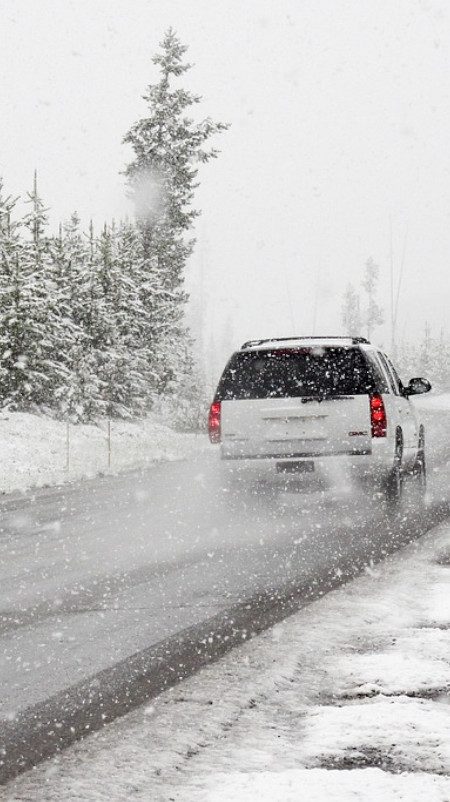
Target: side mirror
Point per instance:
(417, 387)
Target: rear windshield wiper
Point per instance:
(319, 397)
(324, 397)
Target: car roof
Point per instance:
(303, 342)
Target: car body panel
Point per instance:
(295, 427)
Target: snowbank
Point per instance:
(37, 450)
(439, 402)
(320, 785)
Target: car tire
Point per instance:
(394, 482)
(420, 467)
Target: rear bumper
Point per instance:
(330, 470)
(227, 455)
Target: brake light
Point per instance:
(214, 422)
(378, 418)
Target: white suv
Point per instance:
(333, 406)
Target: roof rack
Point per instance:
(252, 343)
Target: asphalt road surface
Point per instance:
(112, 589)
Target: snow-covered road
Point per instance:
(93, 573)
(347, 699)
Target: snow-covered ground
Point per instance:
(432, 401)
(35, 449)
(347, 699)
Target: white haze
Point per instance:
(148, 194)
(340, 128)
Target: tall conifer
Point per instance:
(168, 146)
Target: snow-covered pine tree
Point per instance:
(130, 320)
(102, 332)
(351, 313)
(98, 324)
(11, 328)
(73, 255)
(373, 314)
(433, 359)
(407, 360)
(168, 146)
(441, 376)
(429, 358)
(45, 354)
(32, 332)
(121, 356)
(426, 349)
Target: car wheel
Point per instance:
(394, 483)
(420, 466)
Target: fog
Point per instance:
(339, 134)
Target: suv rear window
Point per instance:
(322, 372)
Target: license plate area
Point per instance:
(295, 466)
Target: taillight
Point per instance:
(378, 418)
(214, 422)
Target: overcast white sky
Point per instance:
(340, 113)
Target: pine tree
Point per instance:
(373, 315)
(73, 256)
(407, 360)
(11, 328)
(433, 359)
(168, 146)
(122, 363)
(429, 358)
(442, 363)
(351, 314)
(130, 320)
(425, 350)
(31, 331)
(44, 335)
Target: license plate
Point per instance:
(295, 467)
